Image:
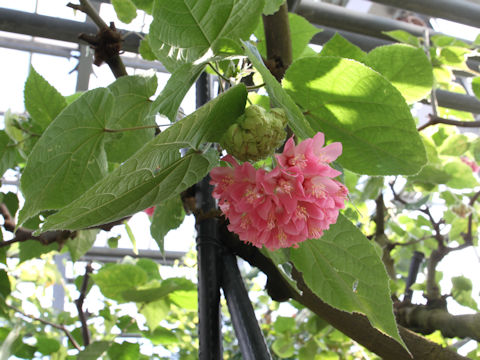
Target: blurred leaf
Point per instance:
(145, 50)
(283, 347)
(476, 86)
(150, 267)
(5, 287)
(272, 6)
(462, 292)
(117, 279)
(124, 351)
(33, 249)
(125, 9)
(187, 300)
(80, 244)
(461, 175)
(154, 312)
(94, 351)
(166, 287)
(455, 145)
(161, 336)
(284, 324)
(7, 153)
(145, 5)
(46, 345)
(403, 37)
(168, 215)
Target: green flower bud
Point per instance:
(256, 134)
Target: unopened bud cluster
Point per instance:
(256, 134)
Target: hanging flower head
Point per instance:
(297, 200)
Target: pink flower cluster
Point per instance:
(295, 201)
(473, 165)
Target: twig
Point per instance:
(468, 238)
(88, 9)
(60, 327)
(107, 43)
(79, 304)
(436, 226)
(438, 120)
(433, 95)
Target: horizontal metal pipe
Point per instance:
(110, 255)
(355, 21)
(36, 47)
(460, 11)
(458, 101)
(50, 27)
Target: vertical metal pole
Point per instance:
(250, 337)
(208, 255)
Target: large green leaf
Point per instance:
(156, 172)
(169, 100)
(278, 96)
(461, 175)
(355, 105)
(406, 67)
(168, 215)
(301, 32)
(131, 109)
(42, 101)
(343, 269)
(183, 31)
(69, 157)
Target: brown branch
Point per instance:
(79, 303)
(60, 327)
(433, 120)
(468, 237)
(381, 239)
(425, 320)
(278, 43)
(354, 325)
(107, 43)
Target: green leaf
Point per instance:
(183, 32)
(278, 96)
(455, 145)
(406, 67)
(284, 324)
(161, 336)
(283, 346)
(125, 9)
(301, 32)
(454, 56)
(355, 105)
(272, 6)
(145, 50)
(83, 242)
(476, 86)
(168, 215)
(47, 346)
(7, 153)
(343, 269)
(31, 249)
(132, 108)
(461, 175)
(150, 267)
(155, 173)
(69, 157)
(169, 100)
(403, 37)
(10, 199)
(124, 351)
(462, 292)
(94, 351)
(129, 231)
(145, 5)
(445, 40)
(42, 101)
(341, 47)
(187, 300)
(166, 287)
(154, 312)
(117, 279)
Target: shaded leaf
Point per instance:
(166, 287)
(94, 350)
(155, 173)
(46, 345)
(404, 37)
(79, 245)
(31, 249)
(355, 105)
(161, 336)
(272, 6)
(124, 351)
(7, 153)
(462, 292)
